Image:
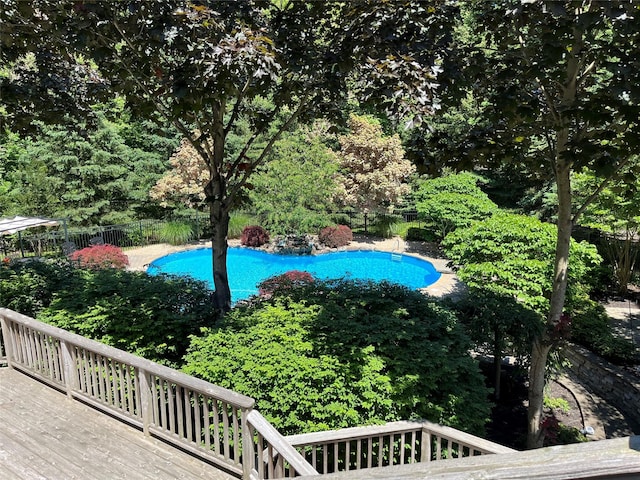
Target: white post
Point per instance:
(146, 408)
(6, 337)
(69, 368)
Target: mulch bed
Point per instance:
(508, 422)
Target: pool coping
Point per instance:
(447, 285)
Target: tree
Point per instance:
(203, 67)
(561, 83)
(510, 254)
(91, 179)
(293, 191)
(326, 355)
(452, 201)
(616, 213)
(508, 260)
(184, 183)
(499, 325)
(373, 172)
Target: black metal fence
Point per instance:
(364, 221)
(49, 242)
(53, 242)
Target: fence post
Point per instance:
(425, 448)
(68, 367)
(248, 450)
(5, 338)
(146, 409)
(142, 239)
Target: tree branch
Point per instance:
(236, 107)
(545, 93)
(600, 188)
(161, 108)
(267, 149)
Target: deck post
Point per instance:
(6, 338)
(146, 409)
(69, 368)
(248, 450)
(425, 448)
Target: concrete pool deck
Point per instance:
(447, 285)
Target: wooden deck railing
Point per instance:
(396, 443)
(214, 423)
(204, 419)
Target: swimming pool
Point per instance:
(248, 267)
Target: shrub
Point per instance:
(175, 233)
(451, 202)
(254, 236)
(237, 222)
(28, 287)
(100, 256)
(591, 328)
(386, 226)
(334, 237)
(558, 434)
(149, 316)
(511, 254)
(287, 280)
(420, 235)
(334, 354)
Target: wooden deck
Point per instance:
(46, 435)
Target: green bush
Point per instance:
(591, 328)
(150, 316)
(237, 222)
(328, 355)
(386, 226)
(28, 287)
(451, 202)
(554, 403)
(419, 234)
(513, 255)
(175, 233)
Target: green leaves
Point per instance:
(145, 315)
(513, 255)
(293, 192)
(338, 354)
(451, 202)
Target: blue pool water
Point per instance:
(248, 267)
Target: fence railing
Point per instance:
(149, 232)
(211, 422)
(140, 233)
(396, 443)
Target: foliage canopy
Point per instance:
(150, 316)
(323, 355)
(204, 67)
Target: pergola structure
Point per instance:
(9, 226)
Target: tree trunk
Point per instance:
(220, 224)
(217, 197)
(539, 354)
(542, 345)
(497, 362)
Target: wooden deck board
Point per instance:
(44, 434)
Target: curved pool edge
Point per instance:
(447, 285)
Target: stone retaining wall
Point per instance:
(616, 386)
